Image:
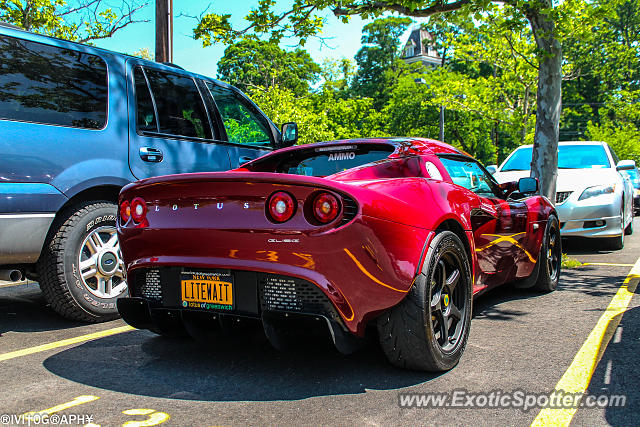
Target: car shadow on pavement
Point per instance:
(23, 309)
(240, 369)
(618, 374)
(584, 245)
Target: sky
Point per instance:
(340, 40)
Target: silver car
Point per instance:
(593, 199)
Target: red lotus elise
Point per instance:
(399, 234)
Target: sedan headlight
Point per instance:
(637, 192)
(598, 190)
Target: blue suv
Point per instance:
(77, 123)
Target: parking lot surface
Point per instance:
(520, 341)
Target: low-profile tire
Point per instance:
(80, 270)
(413, 334)
(549, 263)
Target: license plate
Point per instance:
(207, 289)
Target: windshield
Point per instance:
(569, 157)
(324, 161)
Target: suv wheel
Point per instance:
(81, 269)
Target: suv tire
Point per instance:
(85, 292)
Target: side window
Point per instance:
(145, 115)
(468, 174)
(51, 85)
(180, 108)
(243, 126)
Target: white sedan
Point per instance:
(593, 199)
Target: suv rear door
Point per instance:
(171, 129)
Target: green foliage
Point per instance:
(568, 262)
(281, 105)
(379, 58)
(624, 139)
(251, 63)
(79, 20)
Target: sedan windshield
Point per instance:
(569, 157)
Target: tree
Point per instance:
(379, 58)
(302, 20)
(81, 21)
(251, 62)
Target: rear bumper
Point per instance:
(361, 269)
(22, 236)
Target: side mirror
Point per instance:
(527, 185)
(492, 169)
(289, 134)
(625, 165)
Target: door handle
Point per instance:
(244, 159)
(150, 154)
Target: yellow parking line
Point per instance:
(577, 378)
(10, 284)
(62, 343)
(611, 264)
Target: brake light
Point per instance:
(281, 206)
(326, 207)
(125, 211)
(138, 209)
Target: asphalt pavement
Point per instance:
(521, 342)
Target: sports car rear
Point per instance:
(246, 244)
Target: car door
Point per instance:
(248, 131)
(170, 126)
(499, 225)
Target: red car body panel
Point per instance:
(364, 264)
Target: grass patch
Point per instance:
(568, 262)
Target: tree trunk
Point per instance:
(544, 162)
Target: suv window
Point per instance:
(469, 174)
(243, 125)
(51, 85)
(179, 105)
(145, 114)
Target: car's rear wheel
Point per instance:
(80, 270)
(550, 257)
(429, 328)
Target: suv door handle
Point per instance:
(244, 159)
(150, 154)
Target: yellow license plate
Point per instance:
(207, 290)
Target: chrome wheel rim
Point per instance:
(101, 266)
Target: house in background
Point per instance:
(419, 48)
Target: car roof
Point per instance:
(17, 32)
(403, 145)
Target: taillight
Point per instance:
(125, 211)
(138, 209)
(281, 206)
(326, 207)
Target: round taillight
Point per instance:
(138, 209)
(326, 207)
(281, 206)
(125, 211)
